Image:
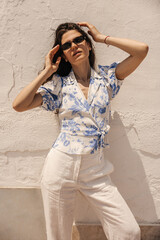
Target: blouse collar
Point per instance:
(71, 79)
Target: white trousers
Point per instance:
(63, 174)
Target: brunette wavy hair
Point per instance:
(64, 67)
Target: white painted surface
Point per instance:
(26, 35)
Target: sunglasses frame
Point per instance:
(69, 43)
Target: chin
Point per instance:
(80, 59)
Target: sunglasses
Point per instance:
(76, 40)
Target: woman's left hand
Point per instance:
(96, 35)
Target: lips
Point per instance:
(76, 53)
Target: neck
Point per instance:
(82, 71)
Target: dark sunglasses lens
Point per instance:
(79, 39)
(66, 46)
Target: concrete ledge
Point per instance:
(22, 217)
(21, 214)
(95, 232)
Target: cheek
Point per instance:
(66, 55)
(84, 48)
(87, 49)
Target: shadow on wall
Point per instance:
(129, 174)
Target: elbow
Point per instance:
(144, 51)
(16, 107)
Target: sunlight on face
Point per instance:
(77, 52)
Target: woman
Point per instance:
(82, 97)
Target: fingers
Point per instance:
(58, 61)
(54, 50)
(85, 24)
(56, 64)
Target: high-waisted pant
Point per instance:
(63, 174)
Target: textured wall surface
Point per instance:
(26, 35)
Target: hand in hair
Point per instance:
(96, 35)
(49, 65)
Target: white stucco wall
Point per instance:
(26, 35)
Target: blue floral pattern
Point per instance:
(84, 122)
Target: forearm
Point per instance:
(25, 97)
(133, 47)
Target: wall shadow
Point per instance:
(129, 174)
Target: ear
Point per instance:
(89, 46)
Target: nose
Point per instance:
(74, 45)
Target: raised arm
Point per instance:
(137, 50)
(28, 98)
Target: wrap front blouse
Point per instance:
(84, 123)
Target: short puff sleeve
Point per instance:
(51, 94)
(113, 84)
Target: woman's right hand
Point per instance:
(51, 67)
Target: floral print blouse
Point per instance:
(84, 123)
